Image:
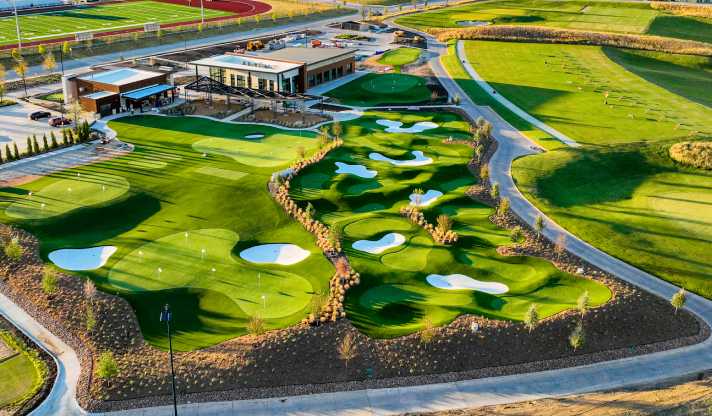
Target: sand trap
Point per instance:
(471, 23)
(284, 254)
(254, 136)
(76, 259)
(426, 199)
(460, 282)
(420, 159)
(395, 126)
(386, 242)
(358, 170)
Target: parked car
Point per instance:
(36, 115)
(59, 121)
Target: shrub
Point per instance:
(107, 367)
(577, 337)
(49, 281)
(696, 10)
(256, 325)
(516, 234)
(13, 250)
(582, 302)
(494, 192)
(428, 332)
(503, 207)
(90, 318)
(696, 154)
(347, 348)
(531, 317)
(678, 299)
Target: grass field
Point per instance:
(628, 17)
(373, 90)
(399, 57)
(107, 17)
(177, 210)
(620, 192)
(18, 378)
(651, 96)
(394, 297)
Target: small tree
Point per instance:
(531, 317)
(347, 348)
(53, 140)
(444, 223)
(107, 367)
(582, 303)
(16, 149)
(49, 63)
(539, 225)
(428, 332)
(8, 153)
(336, 129)
(21, 70)
(516, 234)
(45, 143)
(678, 300)
(484, 173)
(13, 250)
(577, 337)
(494, 192)
(30, 149)
(75, 111)
(2, 82)
(503, 207)
(49, 281)
(35, 145)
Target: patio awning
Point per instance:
(145, 92)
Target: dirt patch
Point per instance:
(292, 119)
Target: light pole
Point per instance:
(202, 14)
(17, 26)
(166, 317)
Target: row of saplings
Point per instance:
(34, 147)
(330, 308)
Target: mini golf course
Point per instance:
(599, 16)
(407, 280)
(373, 90)
(192, 224)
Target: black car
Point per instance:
(36, 115)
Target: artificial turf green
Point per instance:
(394, 297)
(399, 57)
(565, 86)
(105, 17)
(372, 90)
(602, 16)
(223, 206)
(17, 378)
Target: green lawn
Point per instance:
(604, 16)
(180, 209)
(400, 56)
(18, 377)
(373, 90)
(394, 297)
(106, 17)
(57, 97)
(565, 86)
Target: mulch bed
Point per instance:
(304, 359)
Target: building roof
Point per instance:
(308, 55)
(121, 76)
(99, 94)
(142, 93)
(247, 63)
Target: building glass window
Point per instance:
(232, 80)
(271, 85)
(286, 84)
(260, 83)
(218, 74)
(241, 81)
(312, 80)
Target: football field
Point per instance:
(103, 18)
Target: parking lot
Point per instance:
(16, 126)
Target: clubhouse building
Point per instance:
(286, 70)
(116, 90)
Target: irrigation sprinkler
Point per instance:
(166, 316)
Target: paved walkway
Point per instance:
(470, 393)
(462, 56)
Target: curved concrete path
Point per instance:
(505, 102)
(470, 393)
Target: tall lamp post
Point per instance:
(166, 317)
(202, 14)
(17, 26)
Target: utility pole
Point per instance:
(17, 26)
(166, 317)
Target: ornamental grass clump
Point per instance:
(695, 154)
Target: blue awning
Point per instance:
(145, 92)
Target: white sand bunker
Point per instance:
(473, 23)
(386, 242)
(77, 259)
(460, 282)
(284, 254)
(358, 170)
(395, 126)
(419, 160)
(425, 199)
(254, 136)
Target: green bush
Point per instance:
(108, 367)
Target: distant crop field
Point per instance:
(109, 17)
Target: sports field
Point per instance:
(395, 296)
(108, 17)
(373, 90)
(605, 16)
(179, 210)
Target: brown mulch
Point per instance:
(297, 119)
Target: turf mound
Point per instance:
(272, 150)
(51, 197)
(373, 90)
(696, 154)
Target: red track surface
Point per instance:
(238, 8)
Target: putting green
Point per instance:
(373, 90)
(394, 297)
(399, 56)
(65, 195)
(232, 175)
(203, 259)
(272, 150)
